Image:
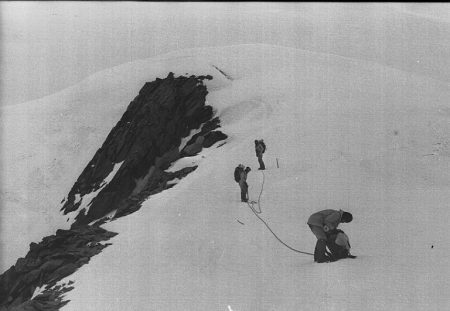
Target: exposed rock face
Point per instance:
(144, 143)
(54, 258)
(204, 139)
(146, 140)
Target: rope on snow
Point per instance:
(265, 223)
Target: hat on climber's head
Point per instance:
(346, 217)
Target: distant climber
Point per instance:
(260, 148)
(240, 176)
(323, 224)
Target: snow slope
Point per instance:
(347, 134)
(47, 142)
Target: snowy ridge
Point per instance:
(348, 134)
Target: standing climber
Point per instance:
(323, 223)
(260, 148)
(240, 176)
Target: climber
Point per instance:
(240, 176)
(322, 224)
(260, 148)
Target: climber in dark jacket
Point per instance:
(260, 148)
(243, 183)
(324, 222)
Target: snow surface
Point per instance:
(348, 133)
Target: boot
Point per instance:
(320, 251)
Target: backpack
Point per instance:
(237, 173)
(263, 145)
(338, 245)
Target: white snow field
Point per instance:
(347, 134)
(372, 138)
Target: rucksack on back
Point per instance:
(237, 174)
(338, 245)
(263, 145)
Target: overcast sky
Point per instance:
(47, 46)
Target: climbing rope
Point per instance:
(265, 223)
(251, 204)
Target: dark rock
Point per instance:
(213, 137)
(83, 260)
(16, 287)
(63, 271)
(194, 147)
(31, 276)
(34, 247)
(51, 265)
(62, 255)
(64, 233)
(146, 141)
(147, 136)
(204, 139)
(21, 265)
(211, 125)
(33, 262)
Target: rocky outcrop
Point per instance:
(54, 258)
(146, 141)
(204, 139)
(133, 203)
